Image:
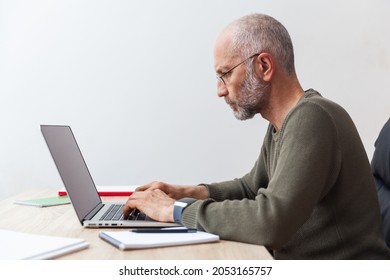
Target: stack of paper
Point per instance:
(23, 246)
(125, 240)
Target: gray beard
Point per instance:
(253, 97)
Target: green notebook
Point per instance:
(44, 202)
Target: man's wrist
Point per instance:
(200, 192)
(178, 208)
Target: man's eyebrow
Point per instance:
(218, 71)
(221, 69)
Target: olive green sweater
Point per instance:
(310, 195)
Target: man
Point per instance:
(311, 194)
(380, 165)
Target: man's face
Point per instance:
(242, 89)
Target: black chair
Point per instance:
(380, 166)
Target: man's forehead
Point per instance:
(223, 42)
(222, 51)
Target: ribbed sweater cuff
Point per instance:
(190, 213)
(215, 192)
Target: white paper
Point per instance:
(17, 245)
(130, 240)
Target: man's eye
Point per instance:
(226, 75)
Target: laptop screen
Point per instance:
(72, 168)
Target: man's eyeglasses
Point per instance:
(220, 77)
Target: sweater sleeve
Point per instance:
(301, 172)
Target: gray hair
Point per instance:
(261, 33)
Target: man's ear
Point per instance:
(265, 66)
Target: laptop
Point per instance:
(81, 188)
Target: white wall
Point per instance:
(135, 81)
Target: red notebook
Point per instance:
(108, 190)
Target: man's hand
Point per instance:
(157, 198)
(153, 202)
(177, 192)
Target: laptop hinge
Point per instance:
(94, 211)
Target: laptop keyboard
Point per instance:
(115, 213)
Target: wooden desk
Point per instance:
(62, 221)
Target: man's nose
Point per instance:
(222, 89)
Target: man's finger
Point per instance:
(128, 207)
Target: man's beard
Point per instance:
(252, 98)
